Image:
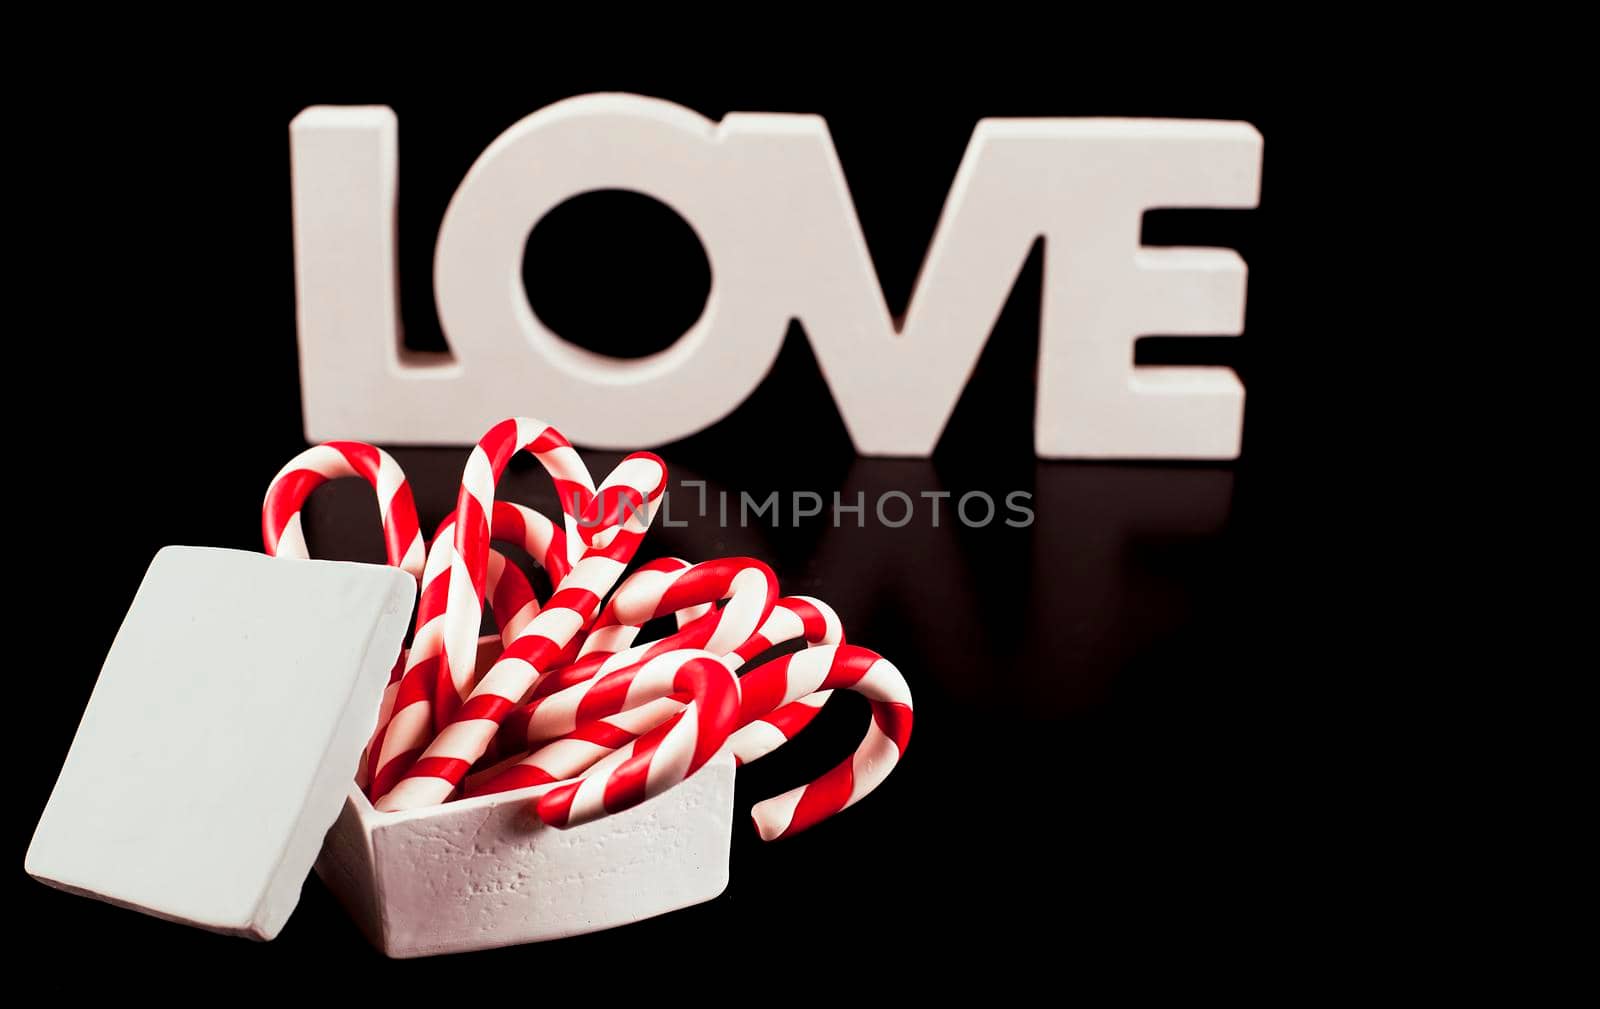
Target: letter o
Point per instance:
(576, 146)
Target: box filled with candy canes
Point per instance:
(482, 871)
(458, 792)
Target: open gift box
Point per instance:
(215, 760)
(482, 872)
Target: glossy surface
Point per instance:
(1109, 706)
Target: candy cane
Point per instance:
(751, 590)
(832, 667)
(599, 648)
(793, 617)
(283, 536)
(281, 532)
(588, 742)
(662, 757)
(747, 584)
(633, 493)
(512, 737)
(469, 563)
(644, 596)
(514, 606)
(577, 751)
(406, 716)
(510, 523)
(652, 577)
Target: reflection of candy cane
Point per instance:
(831, 667)
(405, 718)
(281, 532)
(589, 741)
(469, 564)
(633, 493)
(661, 757)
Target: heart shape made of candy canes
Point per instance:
(609, 521)
(609, 722)
(443, 659)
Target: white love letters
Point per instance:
(766, 195)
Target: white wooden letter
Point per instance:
(1083, 184)
(767, 197)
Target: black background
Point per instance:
(1101, 770)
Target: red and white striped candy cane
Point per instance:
(652, 577)
(832, 667)
(748, 585)
(469, 564)
(662, 757)
(598, 647)
(633, 492)
(281, 532)
(511, 523)
(574, 753)
(590, 741)
(793, 617)
(405, 721)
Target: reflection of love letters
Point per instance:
(767, 197)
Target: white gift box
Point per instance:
(478, 873)
(217, 755)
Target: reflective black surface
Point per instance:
(1099, 758)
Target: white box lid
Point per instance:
(222, 736)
